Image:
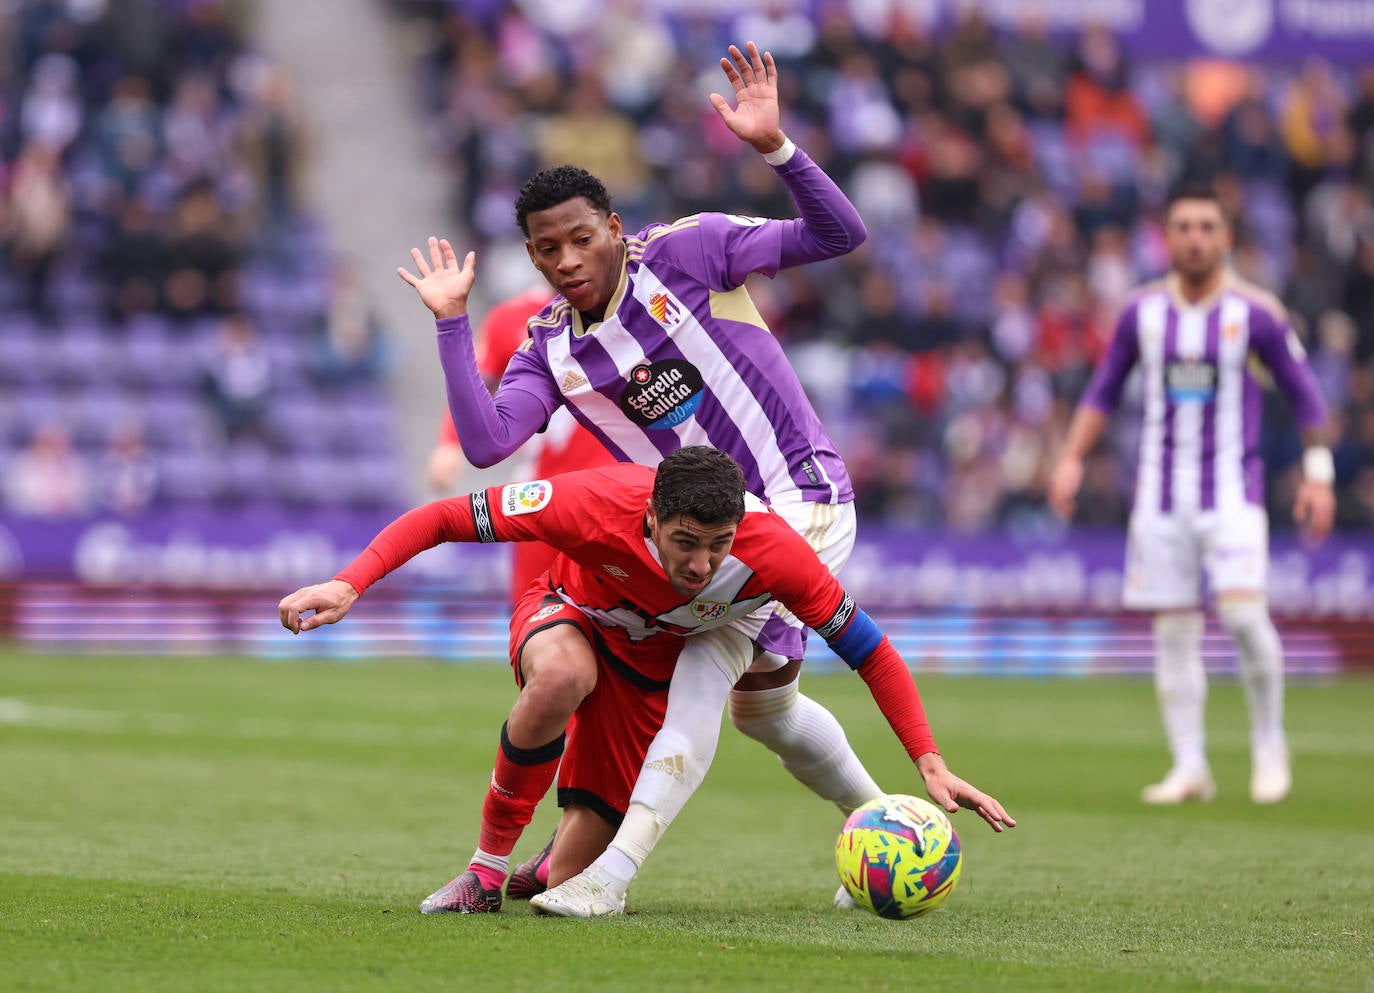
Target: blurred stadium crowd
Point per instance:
(1012, 184)
(173, 329)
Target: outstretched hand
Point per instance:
(330, 602)
(950, 793)
(755, 117)
(442, 283)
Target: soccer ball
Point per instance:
(898, 856)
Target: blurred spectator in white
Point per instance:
(349, 344)
(238, 378)
(126, 477)
(36, 220)
(48, 478)
(51, 112)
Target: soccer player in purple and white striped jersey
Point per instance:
(1202, 338)
(653, 344)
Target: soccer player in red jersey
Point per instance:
(649, 559)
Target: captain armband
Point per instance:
(1318, 466)
(851, 633)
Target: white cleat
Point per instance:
(588, 894)
(843, 901)
(1271, 776)
(1180, 787)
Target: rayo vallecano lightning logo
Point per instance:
(662, 394)
(709, 610)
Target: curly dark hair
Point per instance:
(550, 187)
(702, 483)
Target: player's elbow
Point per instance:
(484, 453)
(856, 233)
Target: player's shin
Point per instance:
(1260, 661)
(1181, 685)
(808, 740)
(519, 780)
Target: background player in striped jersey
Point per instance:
(653, 343)
(689, 554)
(1196, 336)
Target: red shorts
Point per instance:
(612, 728)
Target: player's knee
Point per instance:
(1236, 609)
(753, 710)
(558, 675)
(1178, 633)
(1246, 619)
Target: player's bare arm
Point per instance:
(755, 117)
(330, 602)
(950, 792)
(1084, 431)
(442, 283)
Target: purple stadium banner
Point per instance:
(249, 547)
(267, 548)
(1262, 30)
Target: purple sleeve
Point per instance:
(491, 427)
(1104, 389)
(731, 247)
(829, 224)
(1278, 347)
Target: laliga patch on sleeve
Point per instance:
(745, 221)
(525, 498)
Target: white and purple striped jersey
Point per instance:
(682, 357)
(1202, 401)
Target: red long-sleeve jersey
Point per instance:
(610, 570)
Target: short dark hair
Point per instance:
(1193, 190)
(702, 483)
(550, 187)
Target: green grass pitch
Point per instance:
(244, 825)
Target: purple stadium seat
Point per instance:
(187, 476)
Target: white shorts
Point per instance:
(1166, 555)
(829, 529)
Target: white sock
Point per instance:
(808, 740)
(501, 863)
(1260, 661)
(1181, 685)
(678, 757)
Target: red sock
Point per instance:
(518, 782)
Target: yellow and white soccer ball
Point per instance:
(898, 856)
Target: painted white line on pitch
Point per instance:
(16, 712)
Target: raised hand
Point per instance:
(442, 283)
(755, 117)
